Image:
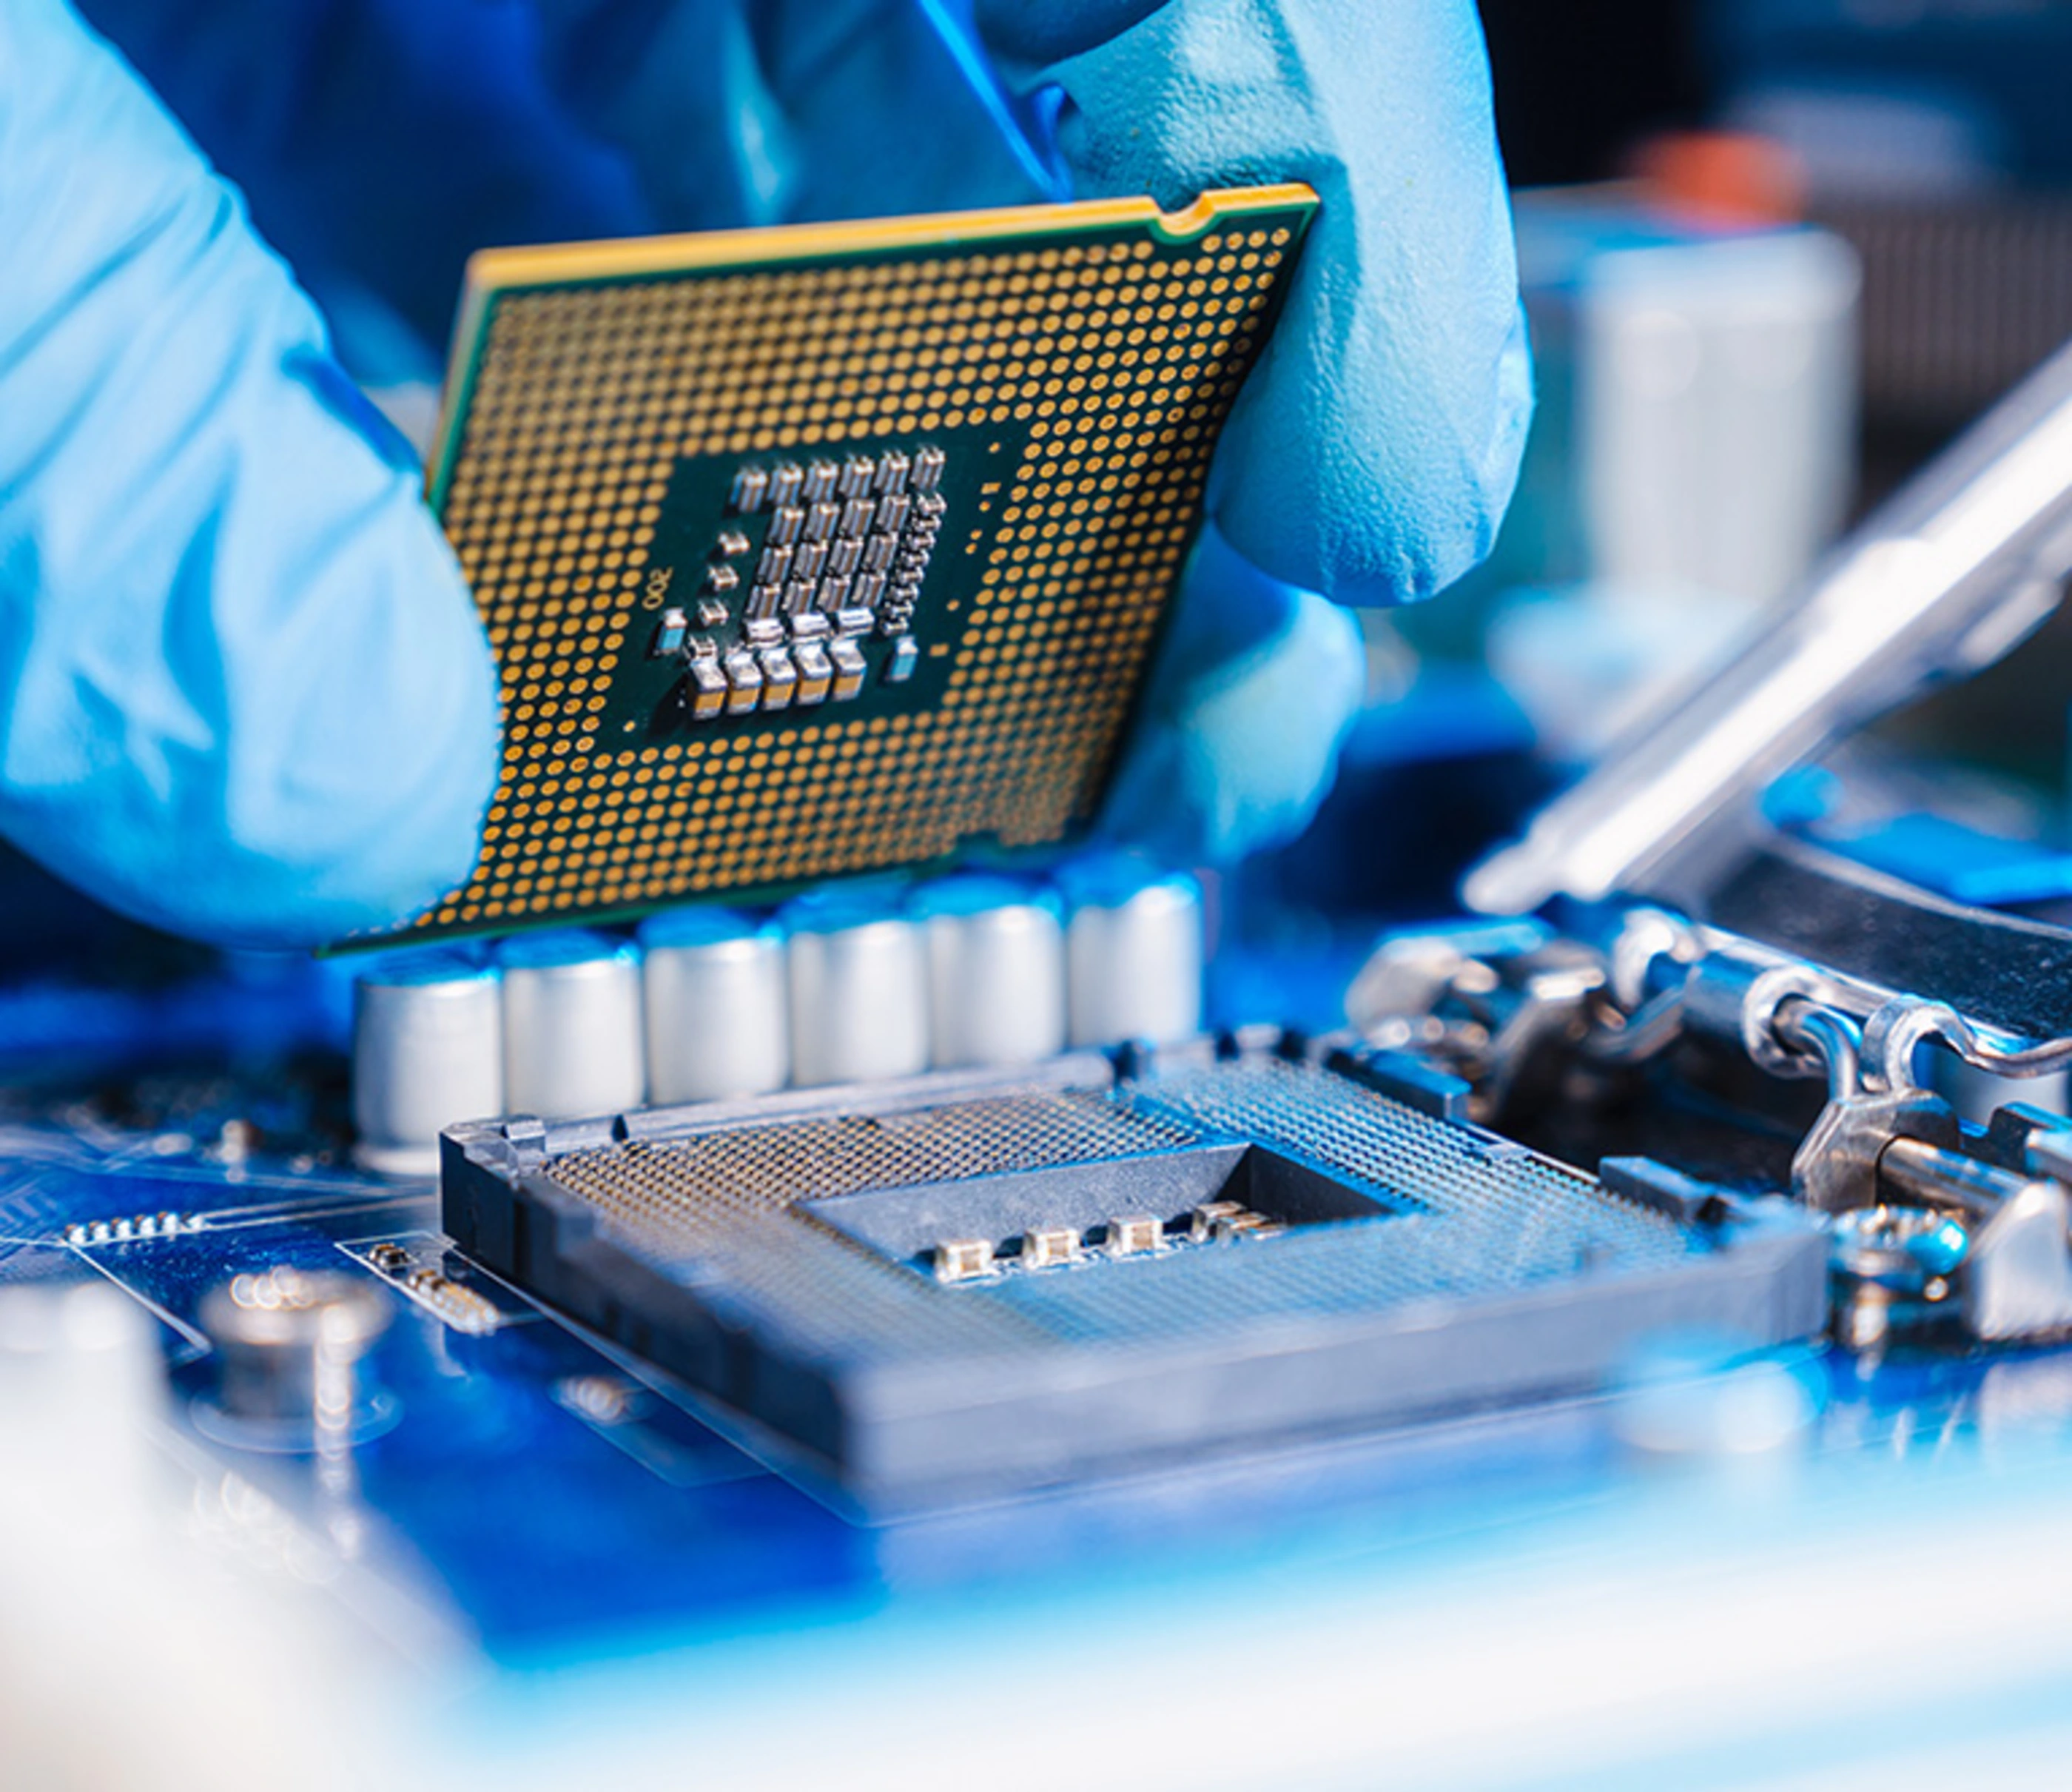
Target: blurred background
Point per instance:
(1775, 253)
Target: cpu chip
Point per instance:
(830, 549)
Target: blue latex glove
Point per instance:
(242, 692)
(1238, 734)
(1370, 454)
(1373, 450)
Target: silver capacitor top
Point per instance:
(1133, 950)
(859, 986)
(288, 1343)
(427, 1052)
(996, 970)
(716, 1005)
(572, 1032)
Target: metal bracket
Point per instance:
(1835, 1166)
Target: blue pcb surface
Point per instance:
(572, 1514)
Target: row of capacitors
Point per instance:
(843, 985)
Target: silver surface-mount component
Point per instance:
(849, 669)
(705, 684)
(572, 1027)
(1133, 1235)
(964, 1260)
(427, 1051)
(780, 678)
(751, 485)
(744, 681)
(1049, 1247)
(817, 672)
(716, 1005)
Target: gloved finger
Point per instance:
(1256, 686)
(807, 108)
(380, 142)
(1372, 451)
(243, 692)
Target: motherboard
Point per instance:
(1017, 1320)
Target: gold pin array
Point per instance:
(1091, 351)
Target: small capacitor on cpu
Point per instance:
(1134, 951)
(996, 970)
(859, 987)
(573, 1043)
(427, 1051)
(716, 1005)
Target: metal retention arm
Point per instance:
(1946, 577)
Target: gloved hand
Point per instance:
(1370, 455)
(242, 692)
(1238, 735)
(1373, 450)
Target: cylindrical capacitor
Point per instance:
(996, 970)
(289, 1342)
(427, 1051)
(859, 982)
(1134, 951)
(572, 1033)
(716, 1003)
